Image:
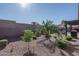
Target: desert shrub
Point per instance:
(37, 33)
(68, 38)
(28, 34)
(48, 35)
(3, 42)
(34, 37)
(50, 27)
(54, 34)
(63, 35)
(61, 44)
(40, 31)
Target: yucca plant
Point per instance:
(50, 28)
(47, 25)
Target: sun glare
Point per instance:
(23, 5)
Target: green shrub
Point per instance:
(68, 38)
(49, 27)
(28, 34)
(48, 35)
(61, 44)
(37, 33)
(34, 37)
(55, 34)
(3, 42)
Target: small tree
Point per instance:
(28, 34)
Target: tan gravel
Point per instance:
(19, 48)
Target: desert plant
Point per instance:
(50, 28)
(55, 29)
(62, 44)
(3, 42)
(54, 34)
(28, 34)
(34, 37)
(38, 32)
(68, 37)
(48, 35)
(47, 26)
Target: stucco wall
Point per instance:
(11, 28)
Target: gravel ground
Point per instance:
(20, 48)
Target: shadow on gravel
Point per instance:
(70, 51)
(30, 54)
(73, 40)
(1, 48)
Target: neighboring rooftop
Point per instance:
(73, 22)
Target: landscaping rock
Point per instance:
(36, 48)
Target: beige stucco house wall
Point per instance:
(11, 28)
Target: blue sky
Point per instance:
(39, 12)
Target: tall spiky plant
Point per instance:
(47, 25)
(50, 27)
